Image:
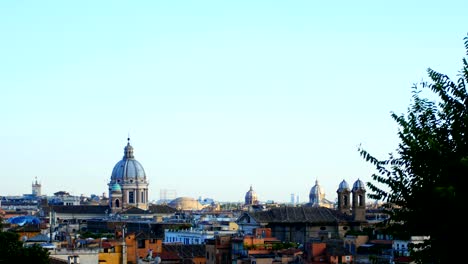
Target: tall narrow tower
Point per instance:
(344, 198)
(36, 188)
(359, 201)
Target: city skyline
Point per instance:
(216, 97)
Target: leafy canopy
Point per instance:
(12, 250)
(425, 177)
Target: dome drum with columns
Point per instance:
(128, 186)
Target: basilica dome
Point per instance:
(128, 168)
(316, 194)
(317, 197)
(251, 197)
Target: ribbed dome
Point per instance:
(251, 196)
(358, 185)
(128, 167)
(343, 186)
(316, 194)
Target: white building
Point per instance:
(400, 247)
(192, 236)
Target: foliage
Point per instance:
(426, 176)
(274, 246)
(285, 245)
(12, 250)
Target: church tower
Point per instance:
(359, 201)
(116, 198)
(128, 186)
(344, 198)
(36, 188)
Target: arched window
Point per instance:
(117, 203)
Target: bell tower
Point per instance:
(359, 201)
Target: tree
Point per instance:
(12, 251)
(425, 178)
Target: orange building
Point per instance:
(319, 252)
(139, 245)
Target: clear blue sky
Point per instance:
(216, 95)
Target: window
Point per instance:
(142, 197)
(131, 198)
(141, 243)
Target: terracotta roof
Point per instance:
(106, 244)
(300, 214)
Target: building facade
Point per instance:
(313, 220)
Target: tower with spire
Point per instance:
(36, 188)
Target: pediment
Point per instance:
(246, 219)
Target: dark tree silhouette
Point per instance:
(12, 251)
(426, 175)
